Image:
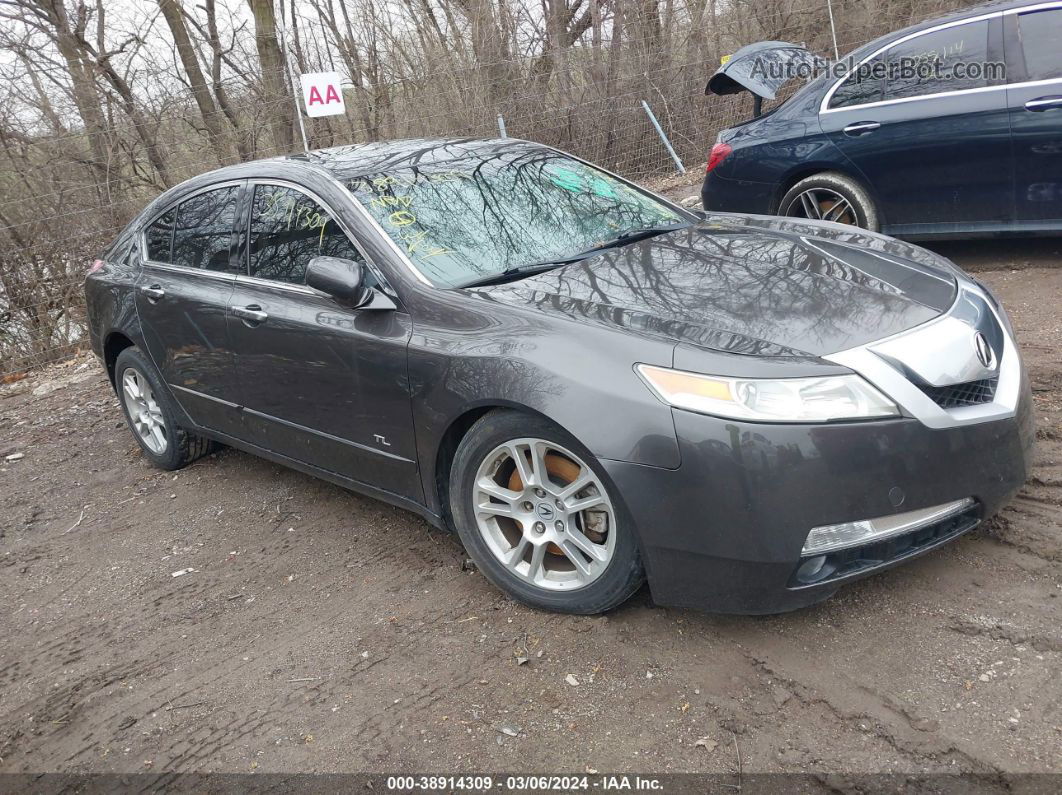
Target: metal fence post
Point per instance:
(663, 137)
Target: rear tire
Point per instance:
(574, 550)
(831, 196)
(152, 416)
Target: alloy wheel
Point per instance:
(544, 514)
(144, 413)
(822, 204)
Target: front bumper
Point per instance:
(724, 531)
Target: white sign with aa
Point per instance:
(322, 94)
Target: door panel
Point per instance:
(184, 320)
(321, 383)
(1034, 52)
(327, 385)
(184, 311)
(943, 159)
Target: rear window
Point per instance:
(1041, 41)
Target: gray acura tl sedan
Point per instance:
(592, 385)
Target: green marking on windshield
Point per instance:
(567, 179)
(575, 182)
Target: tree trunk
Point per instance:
(86, 97)
(171, 10)
(278, 96)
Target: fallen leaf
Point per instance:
(707, 744)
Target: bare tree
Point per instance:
(101, 108)
(174, 15)
(276, 89)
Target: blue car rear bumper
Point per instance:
(737, 195)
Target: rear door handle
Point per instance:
(252, 313)
(154, 293)
(861, 128)
(1040, 104)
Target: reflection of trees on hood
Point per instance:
(749, 290)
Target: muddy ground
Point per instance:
(323, 631)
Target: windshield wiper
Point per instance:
(622, 239)
(633, 235)
(512, 274)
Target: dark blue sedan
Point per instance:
(949, 128)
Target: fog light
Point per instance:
(868, 531)
(810, 568)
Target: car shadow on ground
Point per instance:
(1000, 253)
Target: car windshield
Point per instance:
(462, 222)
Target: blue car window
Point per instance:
(952, 59)
(1041, 40)
(865, 84)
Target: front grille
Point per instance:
(971, 393)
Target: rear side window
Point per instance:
(123, 249)
(1041, 41)
(203, 232)
(865, 84)
(159, 237)
(953, 59)
(288, 229)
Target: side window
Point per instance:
(1041, 40)
(864, 85)
(952, 59)
(288, 229)
(159, 238)
(203, 231)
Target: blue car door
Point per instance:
(1034, 100)
(925, 123)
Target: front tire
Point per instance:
(831, 196)
(539, 516)
(151, 415)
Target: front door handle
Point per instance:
(1040, 104)
(154, 293)
(861, 128)
(252, 313)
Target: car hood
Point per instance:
(748, 285)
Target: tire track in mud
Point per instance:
(235, 665)
(176, 597)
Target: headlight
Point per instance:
(837, 397)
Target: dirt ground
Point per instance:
(321, 631)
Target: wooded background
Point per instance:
(105, 103)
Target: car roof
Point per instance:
(355, 160)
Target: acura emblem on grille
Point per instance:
(985, 355)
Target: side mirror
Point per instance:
(340, 278)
